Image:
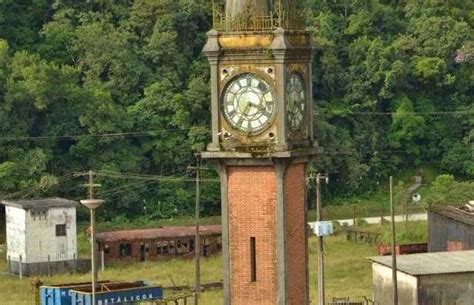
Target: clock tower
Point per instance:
(262, 139)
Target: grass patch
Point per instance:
(348, 274)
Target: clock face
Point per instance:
(248, 103)
(296, 96)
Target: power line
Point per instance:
(372, 152)
(434, 113)
(140, 191)
(127, 187)
(135, 134)
(145, 180)
(132, 134)
(25, 193)
(120, 175)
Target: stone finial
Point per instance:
(236, 8)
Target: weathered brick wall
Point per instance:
(252, 213)
(295, 234)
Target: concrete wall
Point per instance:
(447, 289)
(41, 239)
(45, 268)
(15, 231)
(383, 291)
(442, 230)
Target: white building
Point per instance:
(41, 235)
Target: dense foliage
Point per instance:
(393, 89)
(445, 190)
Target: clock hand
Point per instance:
(259, 106)
(244, 113)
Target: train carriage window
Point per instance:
(166, 247)
(162, 247)
(125, 250)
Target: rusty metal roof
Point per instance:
(431, 263)
(454, 213)
(41, 203)
(159, 233)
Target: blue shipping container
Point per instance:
(117, 295)
(59, 294)
(107, 293)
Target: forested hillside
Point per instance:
(121, 86)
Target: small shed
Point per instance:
(160, 243)
(41, 236)
(450, 229)
(443, 278)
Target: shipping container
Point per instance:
(107, 293)
(117, 293)
(59, 294)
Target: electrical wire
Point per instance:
(434, 113)
(131, 134)
(120, 175)
(135, 134)
(27, 193)
(138, 191)
(128, 187)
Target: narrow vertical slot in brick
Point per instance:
(253, 260)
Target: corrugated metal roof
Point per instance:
(454, 213)
(160, 233)
(431, 263)
(41, 203)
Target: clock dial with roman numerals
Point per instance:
(248, 103)
(296, 97)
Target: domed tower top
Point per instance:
(235, 8)
(258, 15)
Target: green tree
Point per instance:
(446, 190)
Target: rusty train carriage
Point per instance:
(156, 244)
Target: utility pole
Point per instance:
(92, 204)
(321, 285)
(197, 248)
(394, 254)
